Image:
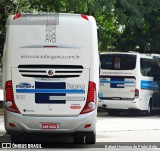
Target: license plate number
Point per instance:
(50, 125)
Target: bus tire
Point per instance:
(113, 112)
(91, 138)
(149, 110)
(78, 139)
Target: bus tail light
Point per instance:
(16, 16)
(9, 103)
(84, 16)
(90, 102)
(136, 93)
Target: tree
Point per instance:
(141, 21)
(123, 25)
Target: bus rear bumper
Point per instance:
(32, 124)
(117, 104)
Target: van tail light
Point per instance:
(90, 103)
(16, 16)
(87, 126)
(12, 125)
(9, 102)
(136, 93)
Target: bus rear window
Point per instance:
(118, 61)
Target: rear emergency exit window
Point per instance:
(118, 61)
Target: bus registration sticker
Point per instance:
(117, 63)
(50, 125)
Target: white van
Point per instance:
(50, 64)
(129, 81)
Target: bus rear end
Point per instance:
(47, 80)
(118, 82)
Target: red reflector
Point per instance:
(50, 46)
(75, 107)
(12, 125)
(87, 126)
(84, 16)
(17, 16)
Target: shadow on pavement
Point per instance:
(102, 112)
(45, 142)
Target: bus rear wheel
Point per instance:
(91, 138)
(78, 139)
(149, 110)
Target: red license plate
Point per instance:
(50, 125)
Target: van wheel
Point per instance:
(78, 139)
(91, 138)
(113, 112)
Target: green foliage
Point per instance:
(8, 7)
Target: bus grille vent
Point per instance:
(50, 71)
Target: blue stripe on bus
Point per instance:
(119, 82)
(150, 84)
(50, 91)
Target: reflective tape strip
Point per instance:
(68, 98)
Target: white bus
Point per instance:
(50, 64)
(129, 81)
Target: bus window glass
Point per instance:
(147, 67)
(118, 61)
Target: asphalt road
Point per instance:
(126, 130)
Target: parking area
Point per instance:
(128, 127)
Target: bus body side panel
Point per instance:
(94, 70)
(6, 59)
(147, 88)
(145, 94)
(139, 77)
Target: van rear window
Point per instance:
(118, 61)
